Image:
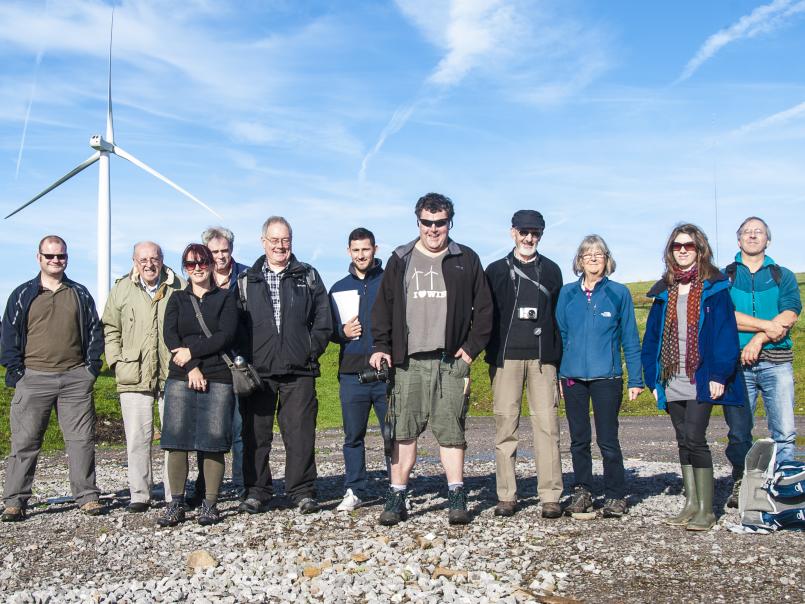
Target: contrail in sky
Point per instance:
(39, 56)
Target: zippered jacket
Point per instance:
(505, 284)
(133, 330)
(718, 344)
(15, 328)
(354, 354)
(305, 324)
(469, 304)
(759, 295)
(594, 332)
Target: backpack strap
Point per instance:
(732, 268)
(242, 288)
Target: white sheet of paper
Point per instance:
(348, 303)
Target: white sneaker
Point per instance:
(349, 503)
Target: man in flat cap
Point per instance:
(525, 349)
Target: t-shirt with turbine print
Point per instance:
(426, 302)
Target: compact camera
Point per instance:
(371, 375)
(527, 313)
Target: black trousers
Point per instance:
(294, 400)
(690, 419)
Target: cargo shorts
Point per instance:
(431, 387)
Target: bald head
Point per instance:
(147, 259)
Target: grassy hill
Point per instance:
(110, 422)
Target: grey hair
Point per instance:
(139, 243)
(218, 232)
(588, 243)
(277, 220)
(743, 224)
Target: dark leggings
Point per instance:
(690, 419)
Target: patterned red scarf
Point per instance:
(669, 352)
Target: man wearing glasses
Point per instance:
(524, 350)
(52, 342)
(431, 318)
(287, 319)
(767, 305)
(136, 352)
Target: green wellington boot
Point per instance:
(704, 519)
(691, 500)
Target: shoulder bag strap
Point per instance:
(206, 329)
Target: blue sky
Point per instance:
(620, 118)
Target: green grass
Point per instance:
(108, 408)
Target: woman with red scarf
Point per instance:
(690, 361)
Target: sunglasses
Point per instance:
(52, 256)
(690, 246)
(192, 264)
(535, 233)
(442, 222)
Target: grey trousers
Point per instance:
(37, 393)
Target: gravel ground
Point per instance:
(58, 555)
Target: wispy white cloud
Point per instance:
(776, 119)
(763, 20)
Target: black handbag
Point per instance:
(245, 379)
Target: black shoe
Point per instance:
(307, 505)
(580, 502)
(173, 515)
(138, 507)
(13, 513)
(251, 505)
(394, 510)
(732, 502)
(208, 514)
(457, 506)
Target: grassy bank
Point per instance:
(110, 422)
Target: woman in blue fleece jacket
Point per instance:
(690, 360)
(596, 320)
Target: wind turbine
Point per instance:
(103, 147)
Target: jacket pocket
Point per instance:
(128, 370)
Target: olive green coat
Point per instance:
(132, 326)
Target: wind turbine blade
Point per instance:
(84, 164)
(139, 164)
(110, 129)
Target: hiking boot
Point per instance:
(580, 502)
(614, 508)
(691, 500)
(13, 513)
(349, 502)
(173, 515)
(137, 507)
(732, 502)
(457, 506)
(208, 514)
(704, 518)
(505, 509)
(551, 509)
(93, 508)
(251, 505)
(307, 505)
(395, 509)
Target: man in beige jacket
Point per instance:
(136, 351)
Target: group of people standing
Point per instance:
(712, 337)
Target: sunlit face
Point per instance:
(221, 253)
(433, 230)
(753, 238)
(198, 271)
(362, 253)
(52, 257)
(526, 241)
(277, 244)
(594, 262)
(148, 260)
(685, 255)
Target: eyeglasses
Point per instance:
(755, 232)
(689, 246)
(535, 233)
(276, 241)
(147, 261)
(593, 256)
(192, 264)
(442, 222)
(52, 256)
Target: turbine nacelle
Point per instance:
(98, 143)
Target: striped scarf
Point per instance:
(669, 351)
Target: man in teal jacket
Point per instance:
(767, 304)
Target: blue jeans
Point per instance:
(357, 401)
(775, 382)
